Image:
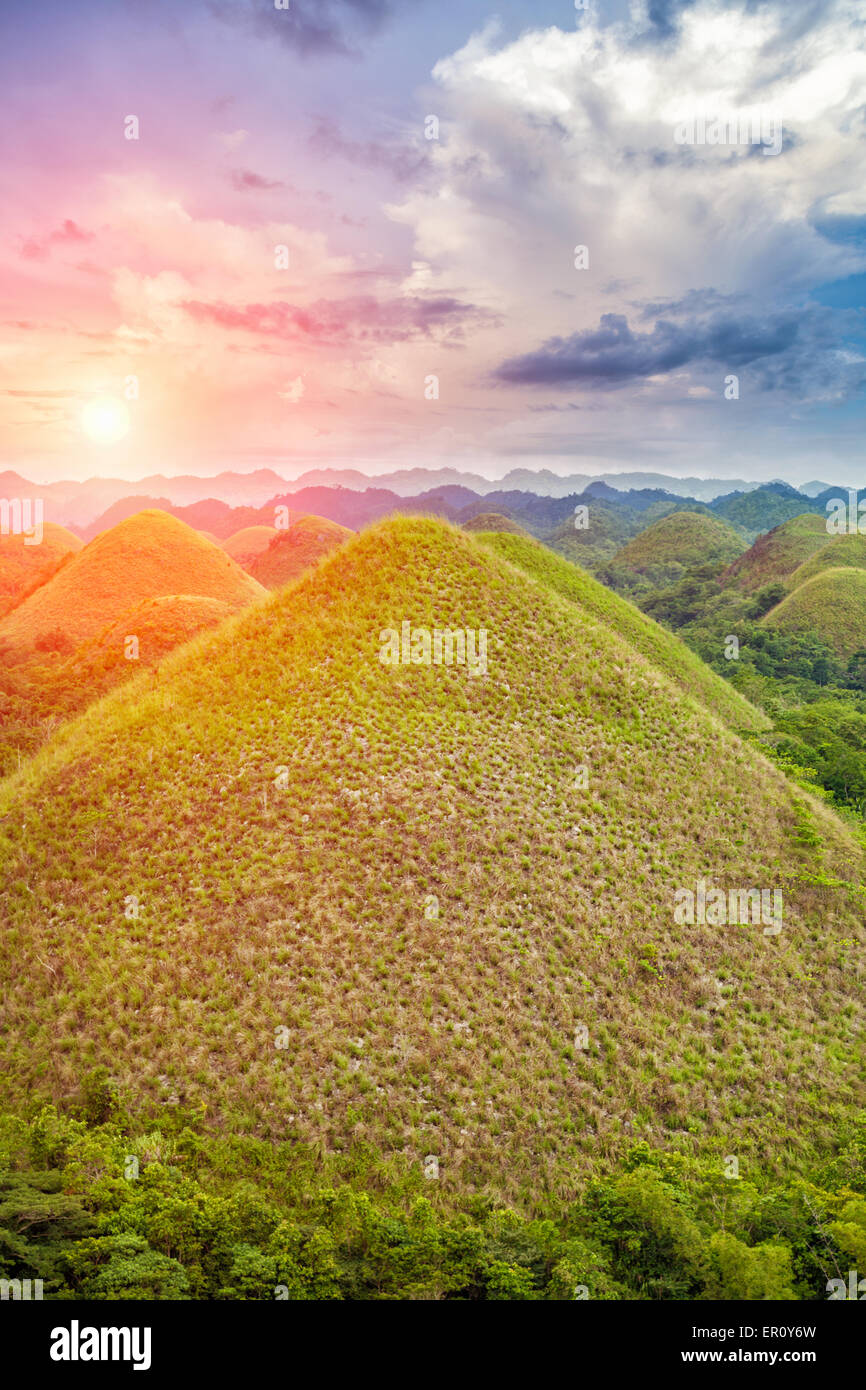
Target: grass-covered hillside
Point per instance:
(493, 521)
(410, 911)
(681, 539)
(24, 566)
(149, 555)
(840, 552)
(777, 554)
(292, 551)
(831, 606)
(665, 651)
(249, 542)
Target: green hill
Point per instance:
(290, 552)
(493, 521)
(608, 528)
(840, 552)
(831, 605)
(680, 540)
(411, 910)
(777, 553)
(665, 651)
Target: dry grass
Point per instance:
(306, 906)
(249, 542)
(684, 538)
(149, 555)
(832, 605)
(24, 567)
(777, 553)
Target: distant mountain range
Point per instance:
(77, 504)
(224, 504)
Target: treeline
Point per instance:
(98, 1210)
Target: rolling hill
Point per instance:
(681, 539)
(776, 554)
(149, 555)
(249, 542)
(831, 605)
(493, 521)
(423, 909)
(24, 567)
(840, 552)
(291, 552)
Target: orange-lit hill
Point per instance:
(23, 567)
(249, 542)
(291, 552)
(159, 624)
(147, 556)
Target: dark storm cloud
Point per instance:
(310, 27)
(793, 350)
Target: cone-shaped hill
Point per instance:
(831, 605)
(840, 552)
(249, 542)
(777, 553)
(292, 551)
(681, 538)
(493, 521)
(429, 908)
(24, 566)
(147, 556)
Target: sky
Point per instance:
(423, 233)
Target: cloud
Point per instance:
(293, 391)
(310, 27)
(67, 234)
(246, 180)
(794, 350)
(361, 318)
(402, 162)
(232, 139)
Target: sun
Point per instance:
(105, 420)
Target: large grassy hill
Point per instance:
(249, 542)
(840, 552)
(831, 605)
(416, 911)
(683, 539)
(777, 553)
(149, 555)
(665, 651)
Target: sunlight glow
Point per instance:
(105, 421)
